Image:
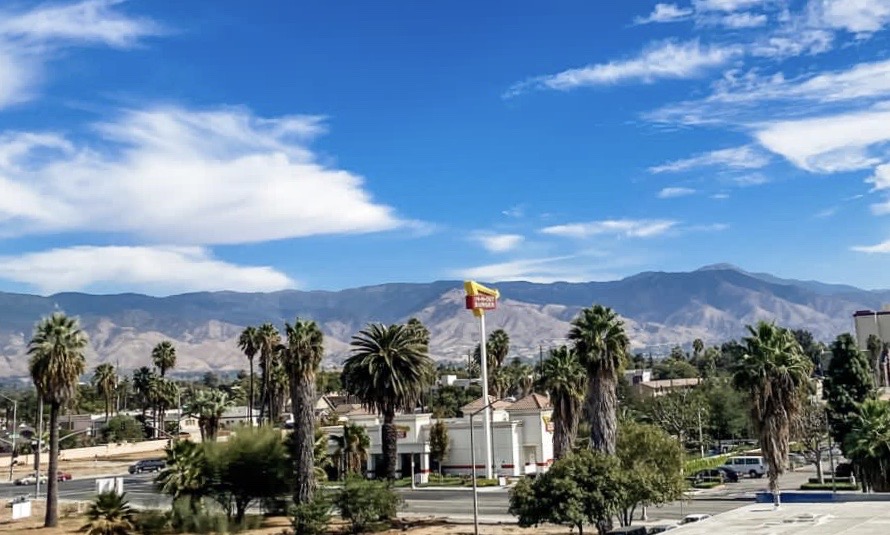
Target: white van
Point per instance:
(747, 465)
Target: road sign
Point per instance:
(482, 302)
(110, 484)
(21, 510)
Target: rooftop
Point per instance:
(670, 383)
(861, 518)
(531, 402)
(477, 404)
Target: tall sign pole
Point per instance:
(479, 299)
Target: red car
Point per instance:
(62, 476)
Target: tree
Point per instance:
(811, 432)
(697, 347)
(268, 340)
(874, 348)
(353, 448)
(362, 503)
(122, 428)
(142, 384)
(563, 378)
(848, 383)
(727, 417)
(868, 444)
(652, 468)
(520, 378)
(387, 372)
(674, 369)
(579, 489)
(775, 374)
(163, 356)
(439, 443)
(302, 358)
(679, 413)
(677, 353)
(187, 474)
(601, 345)
(498, 346)
(109, 514)
(421, 332)
(105, 383)
(249, 343)
(57, 360)
(208, 406)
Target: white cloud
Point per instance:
(665, 13)
(745, 157)
(663, 60)
(743, 20)
(880, 180)
(498, 243)
(516, 212)
(631, 228)
(673, 192)
(829, 144)
(540, 270)
(856, 16)
(726, 5)
(173, 175)
(749, 179)
(880, 248)
(720, 196)
(158, 270)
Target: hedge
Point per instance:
(829, 486)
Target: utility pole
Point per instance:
(15, 426)
(701, 439)
(39, 447)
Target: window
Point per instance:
(752, 461)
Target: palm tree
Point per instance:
(697, 347)
(268, 340)
(868, 444)
(208, 406)
(302, 359)
(57, 361)
(387, 372)
(105, 383)
(248, 342)
(520, 378)
(563, 378)
(186, 473)
(420, 330)
(775, 373)
(163, 356)
(110, 514)
(498, 346)
(601, 345)
(353, 448)
(142, 380)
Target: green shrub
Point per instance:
(364, 503)
(828, 479)
(829, 486)
(152, 522)
(694, 465)
(312, 518)
(184, 520)
(482, 482)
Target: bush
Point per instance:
(151, 522)
(364, 502)
(312, 518)
(829, 486)
(828, 479)
(122, 428)
(184, 520)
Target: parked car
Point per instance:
(843, 470)
(147, 465)
(707, 475)
(796, 459)
(729, 475)
(753, 466)
(31, 479)
(63, 476)
(661, 528)
(628, 530)
(689, 519)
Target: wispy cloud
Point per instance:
(880, 248)
(880, 180)
(237, 178)
(745, 157)
(663, 60)
(673, 192)
(159, 270)
(631, 228)
(498, 243)
(743, 20)
(856, 16)
(727, 6)
(516, 212)
(665, 13)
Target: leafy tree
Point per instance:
(105, 383)
(811, 432)
(109, 514)
(302, 359)
(727, 417)
(249, 343)
(677, 353)
(674, 369)
(57, 360)
(353, 448)
(312, 518)
(678, 413)
(731, 354)
(563, 377)
(364, 502)
(651, 466)
(439, 443)
(448, 400)
(387, 372)
(122, 428)
(210, 380)
(848, 382)
(775, 374)
(579, 489)
(601, 345)
(268, 342)
(328, 382)
(706, 362)
(868, 444)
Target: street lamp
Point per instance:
(15, 406)
(473, 464)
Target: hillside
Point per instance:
(661, 309)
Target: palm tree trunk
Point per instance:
(52, 489)
(303, 406)
(107, 406)
(250, 394)
(264, 389)
(565, 427)
(389, 441)
(602, 405)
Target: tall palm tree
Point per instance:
(57, 361)
(163, 356)
(268, 340)
(697, 347)
(279, 382)
(387, 372)
(521, 378)
(420, 330)
(868, 444)
(563, 378)
(142, 379)
(302, 356)
(248, 342)
(105, 383)
(601, 345)
(775, 373)
(353, 448)
(498, 346)
(208, 406)
(110, 514)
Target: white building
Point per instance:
(522, 437)
(868, 322)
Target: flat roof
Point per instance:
(861, 518)
(860, 313)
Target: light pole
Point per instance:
(39, 446)
(473, 463)
(15, 407)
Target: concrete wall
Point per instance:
(107, 450)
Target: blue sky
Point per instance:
(165, 146)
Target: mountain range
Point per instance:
(660, 310)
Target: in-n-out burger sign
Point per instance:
(482, 302)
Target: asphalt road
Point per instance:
(454, 503)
